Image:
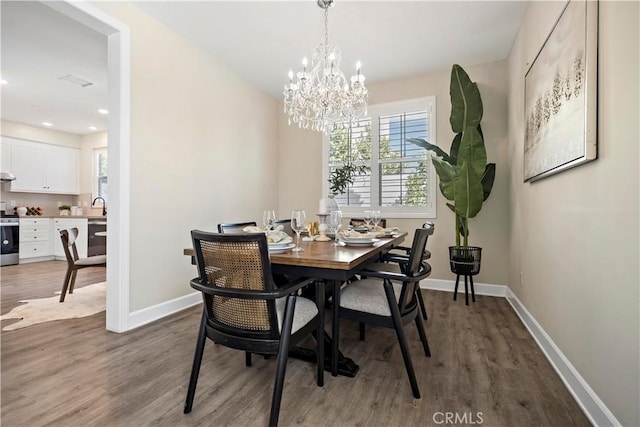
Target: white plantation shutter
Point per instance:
(353, 145)
(401, 180)
(403, 167)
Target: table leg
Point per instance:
(338, 365)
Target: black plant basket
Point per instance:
(465, 260)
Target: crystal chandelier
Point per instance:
(321, 98)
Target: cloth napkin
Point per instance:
(273, 236)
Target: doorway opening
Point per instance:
(118, 49)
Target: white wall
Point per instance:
(575, 235)
(300, 182)
(203, 151)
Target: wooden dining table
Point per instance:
(335, 264)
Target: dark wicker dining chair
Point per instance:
(395, 259)
(388, 299)
(74, 262)
(235, 227)
(244, 310)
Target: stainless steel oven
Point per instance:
(10, 239)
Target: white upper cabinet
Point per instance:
(43, 168)
(62, 167)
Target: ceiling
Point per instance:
(260, 40)
(40, 45)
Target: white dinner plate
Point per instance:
(282, 243)
(281, 249)
(361, 243)
(363, 239)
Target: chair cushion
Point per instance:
(92, 260)
(305, 311)
(367, 295)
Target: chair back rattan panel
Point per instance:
(240, 263)
(236, 265)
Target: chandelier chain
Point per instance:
(326, 26)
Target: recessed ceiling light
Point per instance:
(47, 124)
(103, 111)
(93, 128)
(3, 81)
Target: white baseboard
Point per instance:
(149, 314)
(593, 407)
(35, 259)
(449, 285)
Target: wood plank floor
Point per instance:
(485, 368)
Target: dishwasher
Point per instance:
(97, 244)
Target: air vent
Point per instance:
(76, 80)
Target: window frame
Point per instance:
(428, 104)
(94, 170)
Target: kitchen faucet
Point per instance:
(104, 210)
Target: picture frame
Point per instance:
(560, 123)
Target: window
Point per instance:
(100, 186)
(401, 181)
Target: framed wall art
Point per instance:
(561, 95)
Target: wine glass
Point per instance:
(268, 219)
(368, 216)
(298, 223)
(375, 218)
(335, 221)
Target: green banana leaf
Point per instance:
(448, 176)
(466, 102)
(487, 179)
(468, 192)
(455, 148)
(472, 151)
(431, 147)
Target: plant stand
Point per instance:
(465, 261)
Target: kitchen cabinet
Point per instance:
(82, 241)
(35, 239)
(42, 168)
